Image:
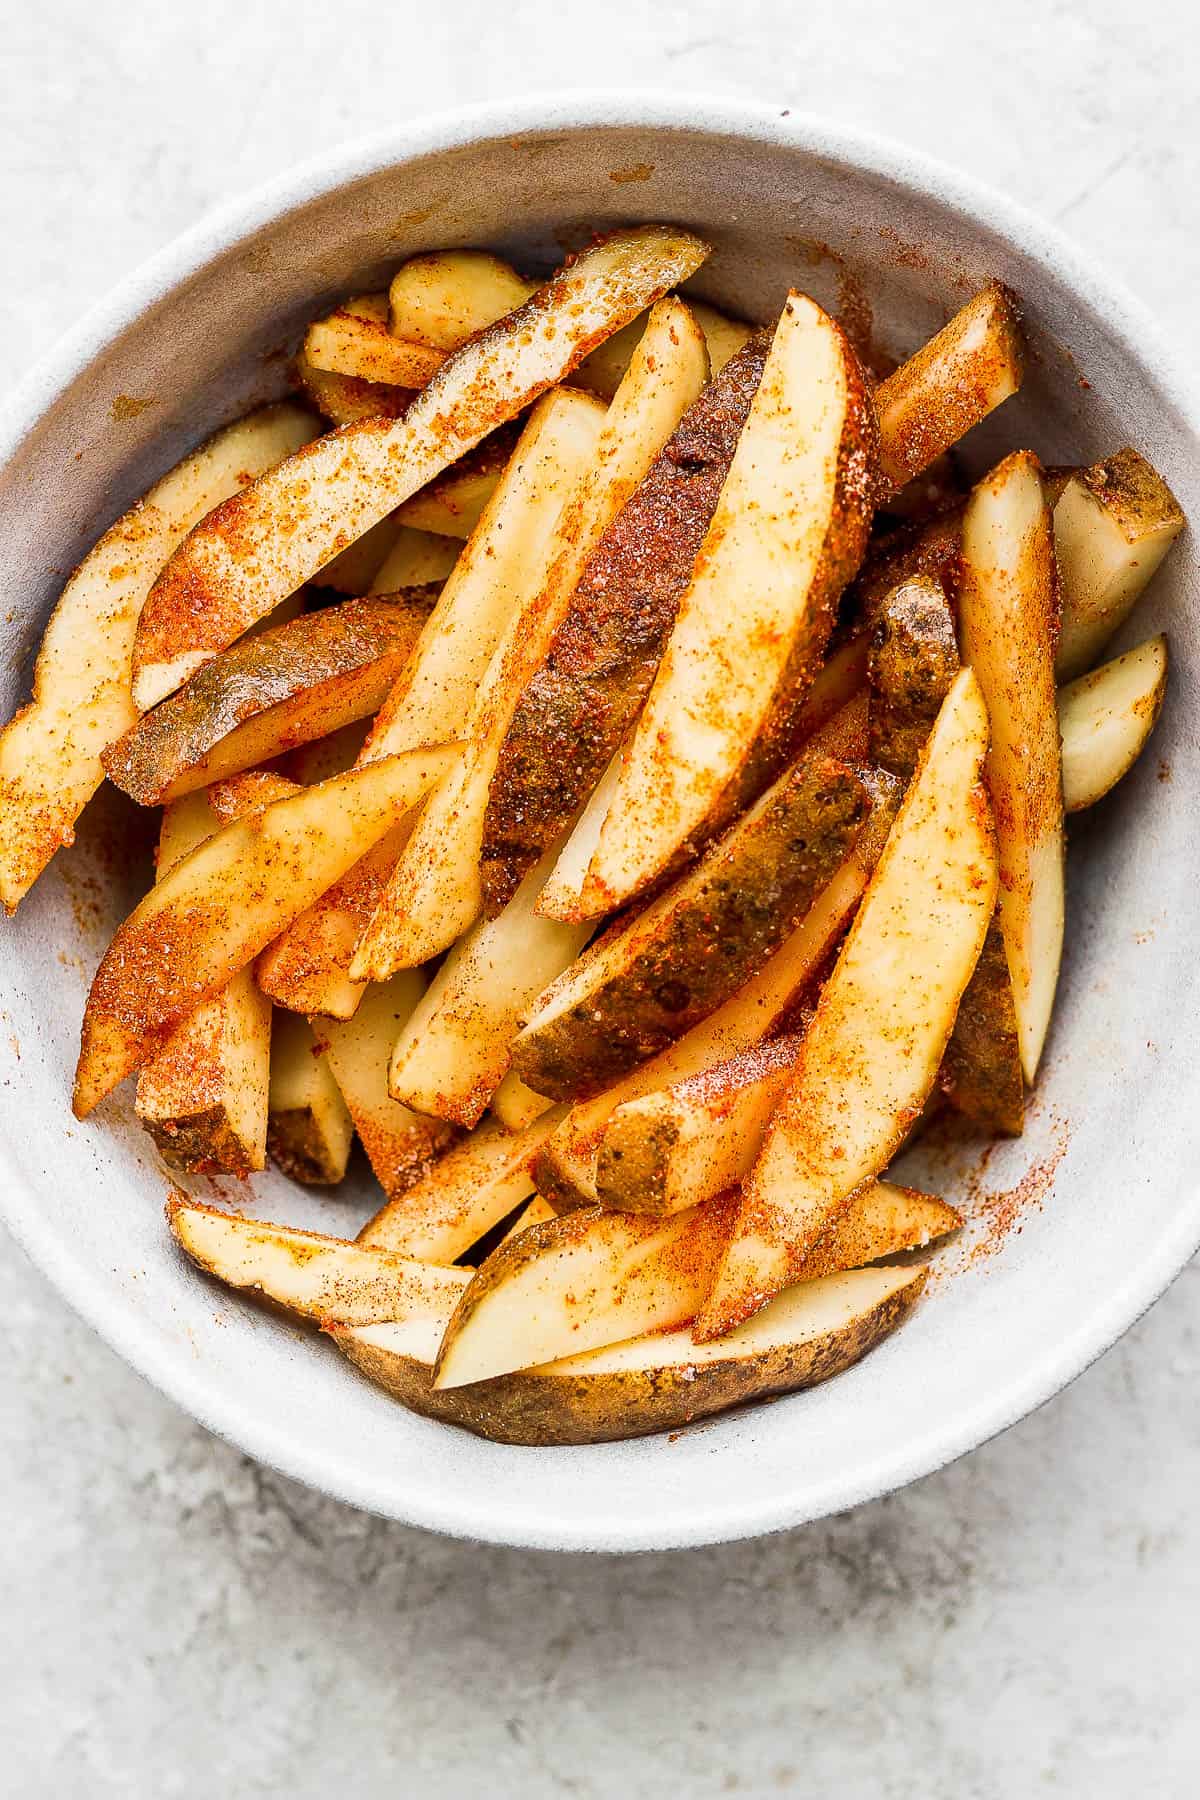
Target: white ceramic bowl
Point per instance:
(201, 333)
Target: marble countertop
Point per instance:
(180, 1621)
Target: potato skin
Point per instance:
(536, 1409)
(913, 660)
(981, 1070)
(605, 653)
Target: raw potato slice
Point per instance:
(309, 1128)
(445, 297)
(415, 559)
(400, 1145)
(959, 377)
(213, 912)
(913, 660)
(203, 1098)
(788, 532)
(981, 1070)
(660, 1382)
(307, 969)
(470, 1190)
(649, 982)
(602, 659)
(690, 1142)
(883, 1020)
(241, 563)
(50, 752)
(436, 892)
(456, 1048)
(1113, 524)
(454, 503)
(1105, 719)
(517, 1106)
(356, 568)
(1008, 619)
(265, 695)
(327, 1279)
(356, 341)
(344, 400)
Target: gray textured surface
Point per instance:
(181, 1623)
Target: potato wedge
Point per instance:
(50, 752)
(457, 1045)
(1008, 617)
(604, 370)
(1113, 524)
(203, 1098)
(343, 400)
(661, 1382)
(240, 563)
(1105, 720)
(647, 983)
(601, 661)
(981, 1070)
(436, 892)
(466, 1193)
(309, 1128)
(307, 968)
(959, 377)
(327, 1279)
(879, 1035)
(689, 1142)
(401, 1145)
(415, 559)
(453, 504)
(445, 296)
(913, 660)
(356, 341)
(265, 695)
(213, 912)
(516, 1105)
(788, 532)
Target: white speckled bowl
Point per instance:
(200, 334)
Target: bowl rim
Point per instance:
(133, 1337)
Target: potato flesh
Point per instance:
(346, 343)
(400, 1145)
(466, 1193)
(353, 571)
(214, 911)
(454, 505)
(1007, 623)
(322, 1278)
(883, 1020)
(536, 1213)
(344, 401)
(516, 1105)
(1113, 524)
(50, 752)
(445, 297)
(787, 533)
(436, 892)
(234, 570)
(963, 373)
(415, 558)
(562, 896)
(203, 1098)
(1105, 720)
(309, 1128)
(456, 1048)
(604, 370)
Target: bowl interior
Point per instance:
(1073, 1229)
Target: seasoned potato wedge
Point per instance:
(215, 910)
(959, 377)
(323, 1278)
(981, 1070)
(913, 660)
(1008, 618)
(647, 983)
(400, 1144)
(356, 341)
(234, 569)
(50, 752)
(1113, 524)
(456, 1047)
(466, 1193)
(444, 297)
(309, 1128)
(1105, 719)
(516, 1105)
(872, 1053)
(266, 694)
(203, 1098)
(454, 503)
(604, 370)
(344, 400)
(788, 532)
(436, 892)
(415, 559)
(686, 1143)
(660, 1382)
